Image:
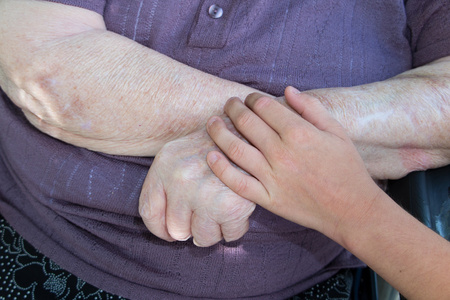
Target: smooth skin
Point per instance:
(306, 169)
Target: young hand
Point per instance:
(304, 167)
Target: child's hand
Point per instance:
(305, 168)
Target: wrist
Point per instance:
(361, 219)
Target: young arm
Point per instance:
(306, 169)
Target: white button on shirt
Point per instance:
(215, 11)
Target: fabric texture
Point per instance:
(428, 23)
(80, 208)
(27, 274)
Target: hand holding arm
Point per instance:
(398, 125)
(307, 170)
(284, 159)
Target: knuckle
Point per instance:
(262, 103)
(279, 154)
(151, 218)
(244, 119)
(295, 134)
(182, 176)
(221, 170)
(303, 137)
(152, 222)
(236, 150)
(254, 96)
(144, 210)
(206, 238)
(233, 207)
(288, 160)
(189, 173)
(241, 186)
(236, 231)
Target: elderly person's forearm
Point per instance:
(399, 125)
(93, 88)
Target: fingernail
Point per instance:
(295, 91)
(184, 239)
(179, 236)
(211, 120)
(212, 157)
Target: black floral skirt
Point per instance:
(27, 274)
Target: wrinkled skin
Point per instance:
(181, 197)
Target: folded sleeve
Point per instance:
(95, 5)
(429, 27)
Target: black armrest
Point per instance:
(426, 195)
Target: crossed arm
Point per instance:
(80, 83)
(90, 87)
(305, 168)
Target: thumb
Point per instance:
(152, 207)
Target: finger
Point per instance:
(205, 231)
(235, 223)
(274, 114)
(254, 96)
(178, 218)
(241, 153)
(234, 231)
(252, 127)
(152, 207)
(313, 111)
(242, 184)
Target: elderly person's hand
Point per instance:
(181, 197)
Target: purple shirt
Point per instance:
(80, 208)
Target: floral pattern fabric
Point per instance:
(27, 274)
